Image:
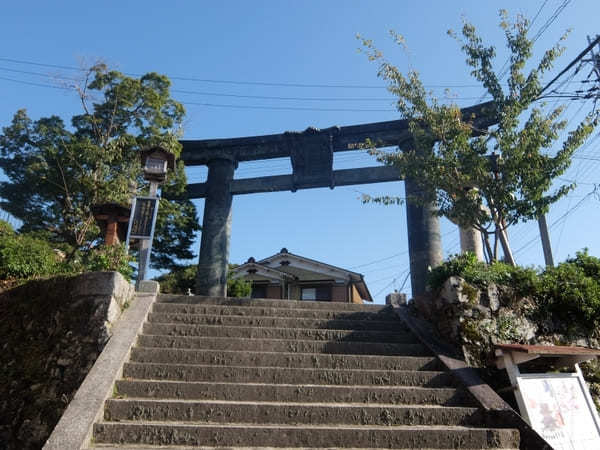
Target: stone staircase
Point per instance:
(230, 373)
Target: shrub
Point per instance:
(23, 256)
(102, 258)
(589, 264)
(6, 228)
(569, 292)
(479, 274)
(238, 288)
(183, 278)
(464, 265)
(179, 280)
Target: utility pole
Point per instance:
(593, 92)
(545, 241)
(595, 59)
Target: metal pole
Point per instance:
(146, 244)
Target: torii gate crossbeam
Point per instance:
(311, 154)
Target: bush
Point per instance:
(479, 274)
(6, 228)
(23, 256)
(589, 264)
(238, 288)
(103, 258)
(183, 278)
(571, 291)
(179, 280)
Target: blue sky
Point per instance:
(267, 49)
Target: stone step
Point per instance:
(269, 303)
(277, 322)
(287, 413)
(284, 375)
(293, 393)
(339, 436)
(182, 308)
(271, 359)
(177, 329)
(203, 447)
(284, 345)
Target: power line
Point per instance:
(572, 63)
(31, 83)
(269, 97)
(220, 105)
(380, 260)
(385, 287)
(218, 94)
(242, 82)
(552, 19)
(285, 108)
(561, 218)
(506, 67)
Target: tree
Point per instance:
(486, 179)
(56, 173)
(183, 280)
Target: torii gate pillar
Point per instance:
(216, 229)
(424, 240)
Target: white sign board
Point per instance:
(558, 408)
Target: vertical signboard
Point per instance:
(143, 218)
(559, 408)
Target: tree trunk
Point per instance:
(508, 256)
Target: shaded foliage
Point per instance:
(183, 280)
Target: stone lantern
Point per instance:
(112, 218)
(156, 162)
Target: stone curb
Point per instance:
(499, 412)
(74, 430)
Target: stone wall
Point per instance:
(474, 320)
(51, 332)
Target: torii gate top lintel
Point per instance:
(347, 138)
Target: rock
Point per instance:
(395, 299)
(456, 290)
(493, 296)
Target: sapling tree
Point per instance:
(488, 179)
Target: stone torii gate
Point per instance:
(311, 154)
